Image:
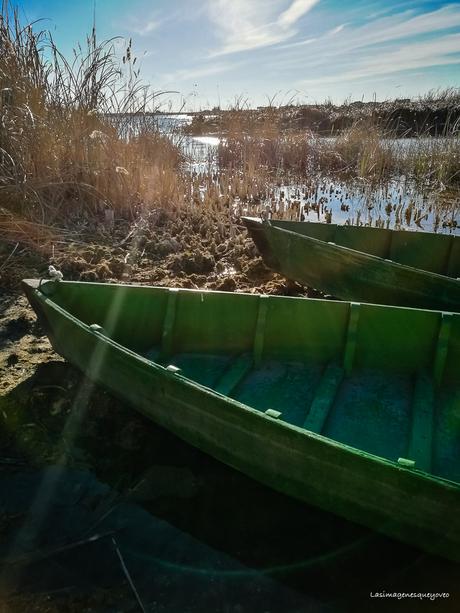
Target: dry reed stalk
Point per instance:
(42, 238)
(61, 153)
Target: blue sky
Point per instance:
(213, 51)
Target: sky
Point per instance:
(256, 52)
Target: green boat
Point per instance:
(351, 407)
(416, 269)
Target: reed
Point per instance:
(433, 113)
(61, 153)
(364, 150)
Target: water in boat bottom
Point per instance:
(98, 500)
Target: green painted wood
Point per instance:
(442, 347)
(167, 338)
(282, 384)
(324, 398)
(152, 354)
(202, 367)
(424, 251)
(420, 448)
(446, 432)
(449, 259)
(289, 331)
(260, 329)
(398, 340)
(453, 266)
(238, 369)
(364, 264)
(351, 468)
(374, 241)
(274, 414)
(206, 323)
(352, 335)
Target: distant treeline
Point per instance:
(405, 118)
(426, 116)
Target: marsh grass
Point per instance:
(79, 137)
(364, 151)
(364, 140)
(60, 154)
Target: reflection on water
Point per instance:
(200, 153)
(210, 141)
(396, 204)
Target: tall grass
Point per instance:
(365, 150)
(61, 156)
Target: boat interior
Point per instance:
(438, 253)
(382, 379)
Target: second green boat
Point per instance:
(416, 269)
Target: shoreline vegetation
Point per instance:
(69, 169)
(436, 113)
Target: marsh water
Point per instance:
(398, 203)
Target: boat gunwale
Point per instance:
(416, 473)
(378, 305)
(338, 225)
(334, 246)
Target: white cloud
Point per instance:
(439, 52)
(337, 29)
(297, 9)
(398, 26)
(148, 27)
(143, 27)
(404, 25)
(300, 43)
(383, 46)
(243, 25)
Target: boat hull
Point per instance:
(405, 504)
(350, 274)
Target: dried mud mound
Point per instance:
(193, 249)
